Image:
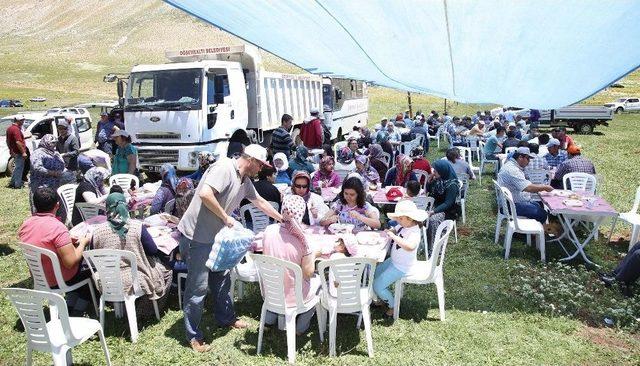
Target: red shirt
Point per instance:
(566, 142)
(311, 134)
(14, 135)
(45, 231)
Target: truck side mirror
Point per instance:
(120, 88)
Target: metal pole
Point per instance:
(445, 105)
(410, 107)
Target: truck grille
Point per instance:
(157, 157)
(159, 135)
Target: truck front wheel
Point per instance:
(619, 110)
(584, 128)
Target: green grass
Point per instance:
(487, 320)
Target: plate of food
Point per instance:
(341, 228)
(562, 193)
(370, 238)
(156, 231)
(573, 203)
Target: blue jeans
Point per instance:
(531, 210)
(386, 275)
(16, 177)
(199, 279)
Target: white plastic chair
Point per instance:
(33, 256)
(243, 272)
(169, 206)
(60, 334)
(421, 174)
(386, 157)
(484, 161)
(632, 217)
(342, 173)
(347, 289)
(463, 183)
(124, 181)
(538, 176)
(337, 147)
(501, 216)
(438, 135)
(428, 271)
(520, 225)
(271, 274)
(424, 202)
(582, 182)
(105, 267)
(67, 193)
(473, 143)
(259, 219)
(88, 210)
(182, 276)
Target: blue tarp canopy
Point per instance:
(528, 53)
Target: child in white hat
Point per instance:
(404, 247)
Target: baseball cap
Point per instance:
(104, 114)
(553, 142)
(257, 152)
(122, 133)
(63, 123)
(314, 110)
(525, 151)
(19, 117)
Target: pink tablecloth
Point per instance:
(319, 239)
(556, 205)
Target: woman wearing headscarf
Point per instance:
(281, 163)
(205, 158)
(300, 161)
(121, 232)
(401, 173)
(366, 172)
(377, 161)
(287, 241)
(316, 208)
(90, 190)
(184, 193)
(47, 166)
(326, 176)
(345, 160)
(167, 190)
(382, 138)
(443, 186)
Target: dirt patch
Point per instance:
(607, 338)
(464, 231)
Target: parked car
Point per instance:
(37, 125)
(38, 99)
(67, 110)
(630, 104)
(5, 103)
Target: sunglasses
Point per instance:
(301, 186)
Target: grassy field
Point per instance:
(498, 312)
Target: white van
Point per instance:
(38, 124)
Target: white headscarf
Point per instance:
(285, 161)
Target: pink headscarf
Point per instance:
(293, 209)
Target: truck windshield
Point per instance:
(164, 90)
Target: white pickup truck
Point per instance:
(582, 118)
(208, 97)
(625, 105)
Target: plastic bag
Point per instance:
(229, 247)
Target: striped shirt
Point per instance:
(281, 141)
(511, 176)
(556, 160)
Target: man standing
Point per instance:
(68, 145)
(311, 130)
(104, 131)
(555, 156)
(220, 191)
(576, 163)
(17, 149)
(511, 176)
(281, 141)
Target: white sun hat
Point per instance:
(409, 209)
